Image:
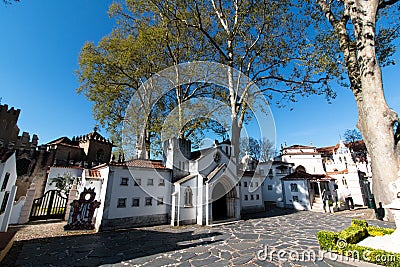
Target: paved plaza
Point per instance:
(233, 244)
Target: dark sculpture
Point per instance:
(82, 211)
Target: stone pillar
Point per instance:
(73, 195)
(26, 209)
(320, 195)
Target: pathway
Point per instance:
(226, 245)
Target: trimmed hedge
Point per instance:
(358, 230)
(353, 234)
(327, 240)
(379, 231)
(360, 223)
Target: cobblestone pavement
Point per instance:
(225, 245)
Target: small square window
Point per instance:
(135, 202)
(294, 188)
(138, 182)
(246, 197)
(150, 181)
(160, 201)
(121, 203)
(245, 184)
(251, 197)
(124, 181)
(257, 197)
(5, 181)
(296, 198)
(269, 187)
(149, 201)
(5, 201)
(161, 182)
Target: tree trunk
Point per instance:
(375, 118)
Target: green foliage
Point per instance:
(359, 223)
(379, 231)
(358, 230)
(327, 240)
(63, 183)
(376, 256)
(353, 234)
(250, 36)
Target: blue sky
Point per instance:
(39, 52)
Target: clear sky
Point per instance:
(39, 48)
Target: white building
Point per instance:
(349, 173)
(8, 176)
(304, 158)
(199, 187)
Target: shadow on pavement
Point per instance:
(102, 248)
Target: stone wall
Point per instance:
(123, 223)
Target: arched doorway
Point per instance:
(224, 203)
(219, 207)
(300, 168)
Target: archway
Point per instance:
(225, 203)
(300, 168)
(219, 205)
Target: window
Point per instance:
(251, 197)
(257, 196)
(100, 155)
(138, 182)
(160, 201)
(344, 181)
(188, 197)
(296, 198)
(135, 202)
(150, 181)
(4, 203)
(124, 181)
(121, 203)
(245, 184)
(294, 188)
(161, 182)
(246, 197)
(149, 201)
(4, 185)
(269, 187)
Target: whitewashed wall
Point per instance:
(130, 191)
(253, 189)
(186, 213)
(9, 166)
(312, 163)
(302, 194)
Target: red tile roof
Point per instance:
(141, 163)
(299, 175)
(94, 173)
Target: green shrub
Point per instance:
(360, 223)
(359, 230)
(353, 234)
(379, 231)
(327, 240)
(376, 256)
